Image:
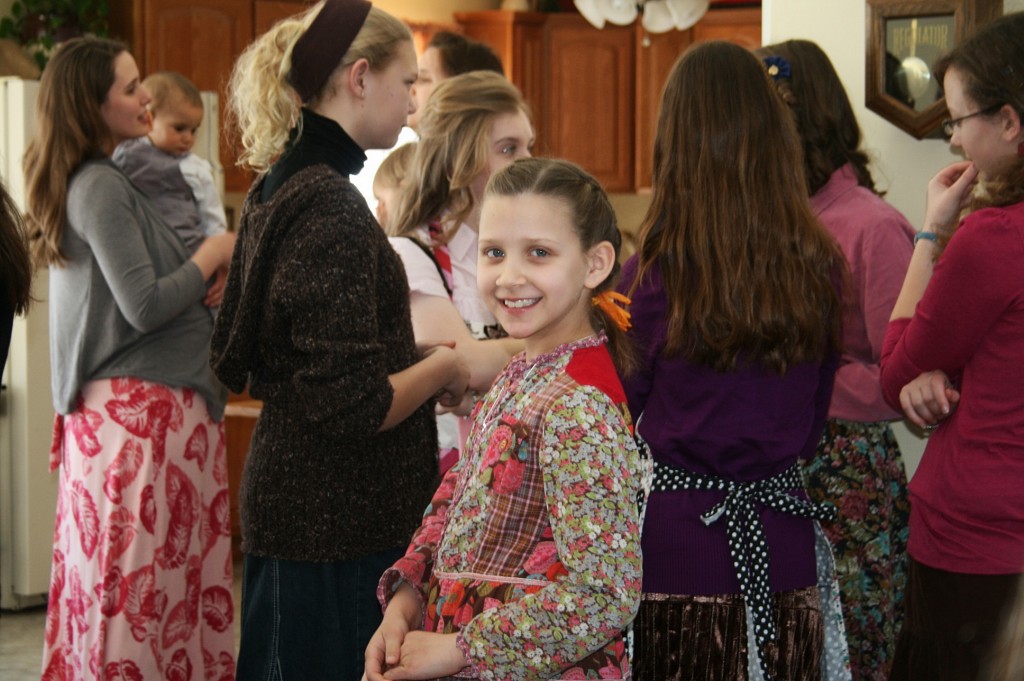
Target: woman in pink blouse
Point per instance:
(858, 467)
(959, 319)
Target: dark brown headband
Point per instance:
(320, 49)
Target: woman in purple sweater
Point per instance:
(736, 317)
(960, 319)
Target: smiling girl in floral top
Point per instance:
(527, 563)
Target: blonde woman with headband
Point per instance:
(315, 322)
(472, 126)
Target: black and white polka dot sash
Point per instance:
(747, 544)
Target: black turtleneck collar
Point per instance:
(322, 141)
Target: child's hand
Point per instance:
(427, 656)
(215, 294)
(402, 614)
(457, 383)
(426, 348)
(384, 649)
(463, 408)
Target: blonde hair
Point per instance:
(395, 167)
(454, 131)
(265, 107)
(170, 87)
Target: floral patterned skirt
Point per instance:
(859, 469)
(141, 578)
(452, 603)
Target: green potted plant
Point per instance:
(39, 25)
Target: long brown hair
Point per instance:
(15, 267)
(69, 130)
(828, 128)
(747, 269)
(454, 135)
(991, 65)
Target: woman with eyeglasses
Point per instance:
(953, 360)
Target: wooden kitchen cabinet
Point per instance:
(269, 12)
(588, 120)
(572, 76)
(240, 417)
(200, 39)
(656, 58)
(595, 93)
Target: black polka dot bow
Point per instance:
(747, 544)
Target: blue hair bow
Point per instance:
(777, 67)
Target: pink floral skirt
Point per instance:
(141, 579)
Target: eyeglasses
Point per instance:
(949, 125)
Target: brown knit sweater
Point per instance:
(314, 319)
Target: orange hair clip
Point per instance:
(609, 302)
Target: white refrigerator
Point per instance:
(28, 491)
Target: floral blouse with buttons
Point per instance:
(530, 548)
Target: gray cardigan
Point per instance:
(128, 302)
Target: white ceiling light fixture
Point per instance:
(657, 16)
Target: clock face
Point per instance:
(912, 46)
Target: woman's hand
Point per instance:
(214, 253)
(457, 381)
(427, 655)
(949, 193)
(440, 374)
(384, 650)
(929, 398)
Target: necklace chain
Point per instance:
(506, 393)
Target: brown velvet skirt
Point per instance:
(950, 624)
(704, 638)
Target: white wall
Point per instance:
(902, 165)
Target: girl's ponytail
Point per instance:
(264, 107)
(610, 313)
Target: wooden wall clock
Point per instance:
(903, 43)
